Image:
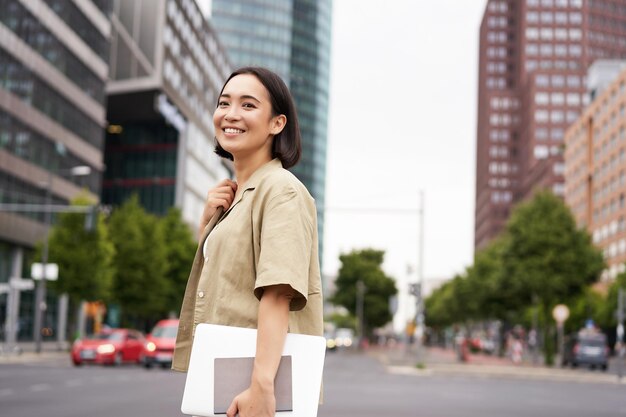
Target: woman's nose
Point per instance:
(232, 113)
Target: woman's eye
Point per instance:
(222, 104)
(248, 105)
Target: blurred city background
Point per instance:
(468, 162)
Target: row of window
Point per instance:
(609, 102)
(22, 142)
(503, 119)
(498, 6)
(503, 168)
(19, 80)
(609, 209)
(498, 197)
(498, 67)
(501, 182)
(156, 199)
(15, 191)
(608, 187)
(558, 34)
(498, 22)
(555, 3)
(32, 32)
(76, 20)
(499, 52)
(609, 230)
(543, 133)
(544, 151)
(560, 50)
(504, 103)
(608, 126)
(555, 116)
(606, 38)
(560, 18)
(549, 64)
(499, 135)
(500, 37)
(558, 99)
(558, 81)
(498, 151)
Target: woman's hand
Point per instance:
(256, 401)
(221, 196)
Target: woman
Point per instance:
(257, 261)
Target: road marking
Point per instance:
(6, 392)
(39, 387)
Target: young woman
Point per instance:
(257, 262)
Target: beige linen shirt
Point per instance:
(267, 237)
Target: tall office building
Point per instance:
(595, 165)
(291, 37)
(534, 55)
(167, 68)
(53, 69)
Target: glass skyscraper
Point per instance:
(292, 38)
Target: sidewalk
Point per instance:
(26, 353)
(435, 361)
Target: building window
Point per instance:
(557, 99)
(541, 134)
(532, 33)
(575, 18)
(541, 152)
(557, 116)
(556, 134)
(547, 17)
(546, 49)
(532, 49)
(542, 81)
(546, 34)
(558, 81)
(541, 116)
(541, 99)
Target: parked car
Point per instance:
(159, 346)
(586, 348)
(110, 347)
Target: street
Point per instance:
(355, 385)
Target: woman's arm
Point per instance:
(273, 323)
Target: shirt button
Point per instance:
(201, 294)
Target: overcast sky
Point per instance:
(402, 118)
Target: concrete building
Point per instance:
(534, 56)
(53, 69)
(292, 38)
(595, 171)
(167, 68)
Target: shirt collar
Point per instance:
(262, 172)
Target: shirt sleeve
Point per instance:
(285, 247)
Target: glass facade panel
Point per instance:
(142, 160)
(31, 31)
(17, 79)
(76, 20)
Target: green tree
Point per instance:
(85, 257)
(180, 248)
(140, 286)
(366, 266)
(546, 257)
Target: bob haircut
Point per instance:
(287, 144)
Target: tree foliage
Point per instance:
(540, 260)
(85, 257)
(140, 285)
(366, 266)
(180, 248)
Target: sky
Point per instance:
(402, 119)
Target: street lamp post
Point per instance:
(40, 293)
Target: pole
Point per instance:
(40, 294)
(620, 332)
(559, 327)
(419, 318)
(360, 292)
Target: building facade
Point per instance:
(533, 60)
(595, 173)
(53, 71)
(292, 38)
(167, 68)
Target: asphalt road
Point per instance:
(355, 386)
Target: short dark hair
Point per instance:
(287, 145)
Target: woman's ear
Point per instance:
(278, 124)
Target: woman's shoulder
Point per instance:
(281, 180)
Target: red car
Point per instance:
(159, 346)
(110, 347)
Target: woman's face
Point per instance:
(243, 120)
